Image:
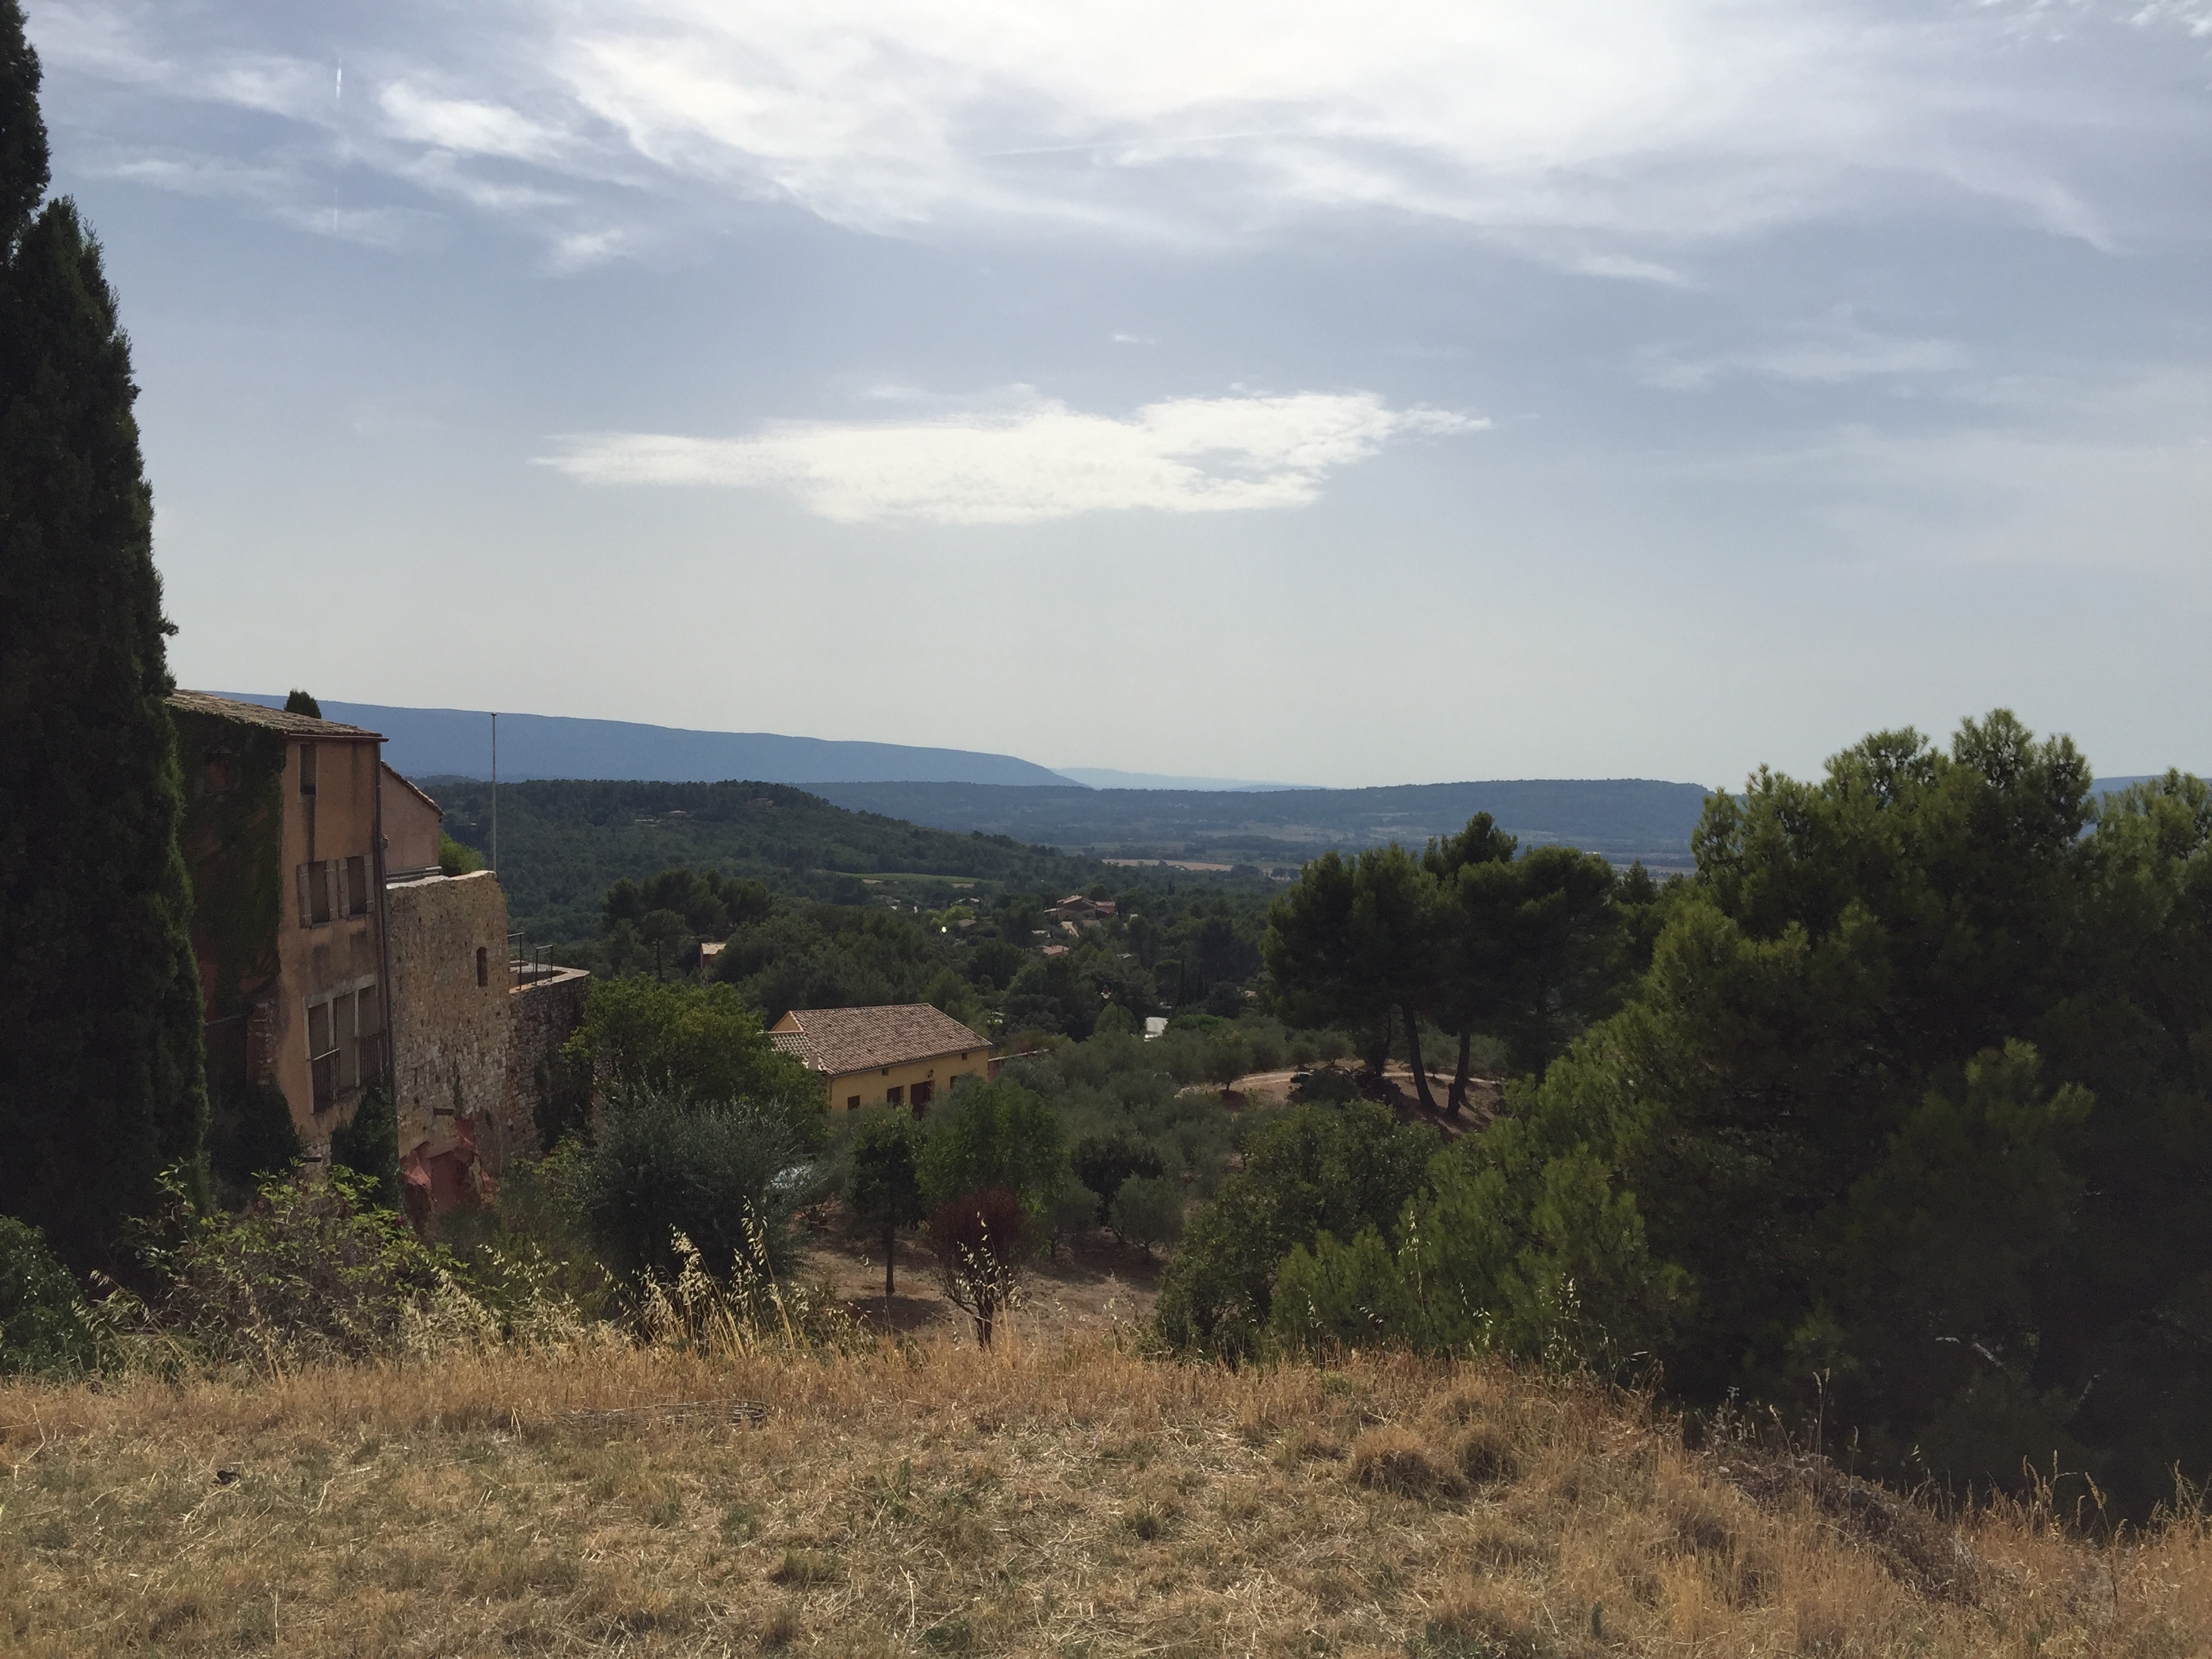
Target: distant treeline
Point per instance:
(563, 843)
(1621, 819)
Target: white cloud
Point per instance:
(1603, 136)
(466, 125)
(1040, 460)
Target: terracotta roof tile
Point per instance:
(840, 1040)
(274, 719)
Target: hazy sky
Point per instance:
(1340, 392)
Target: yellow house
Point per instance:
(901, 1056)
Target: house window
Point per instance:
(852, 1103)
(323, 1053)
(923, 1093)
(483, 966)
(344, 1052)
(316, 904)
(893, 1096)
(307, 768)
(333, 887)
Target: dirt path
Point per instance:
(1485, 1097)
(1083, 1291)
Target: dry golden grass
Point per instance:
(1045, 1498)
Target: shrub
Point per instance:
(1317, 1169)
(250, 1135)
(45, 1326)
(721, 1173)
(312, 1269)
(456, 859)
(1073, 1216)
(999, 1136)
(1102, 1163)
(1328, 1087)
(1147, 1211)
(980, 1239)
(697, 1041)
(531, 1250)
(368, 1145)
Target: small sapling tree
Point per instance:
(980, 1239)
(883, 1188)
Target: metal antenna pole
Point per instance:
(495, 792)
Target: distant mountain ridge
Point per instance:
(1108, 777)
(456, 743)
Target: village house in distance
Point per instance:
(335, 954)
(903, 1056)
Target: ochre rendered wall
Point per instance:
(337, 821)
(412, 823)
(872, 1084)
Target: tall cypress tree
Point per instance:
(102, 1079)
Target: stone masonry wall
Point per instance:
(546, 1012)
(451, 1018)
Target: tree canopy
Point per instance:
(1909, 1120)
(101, 1074)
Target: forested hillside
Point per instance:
(1622, 819)
(563, 843)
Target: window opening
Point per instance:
(323, 1054)
(315, 881)
(923, 1094)
(852, 1103)
(893, 1095)
(307, 768)
(483, 966)
(357, 886)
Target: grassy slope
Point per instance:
(562, 844)
(1043, 1499)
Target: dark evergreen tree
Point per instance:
(101, 1081)
(303, 702)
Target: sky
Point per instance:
(1350, 394)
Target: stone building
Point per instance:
(281, 832)
(335, 954)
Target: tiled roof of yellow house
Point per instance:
(840, 1040)
(276, 719)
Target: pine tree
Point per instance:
(102, 1079)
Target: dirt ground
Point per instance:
(1485, 1096)
(1089, 1290)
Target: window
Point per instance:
(852, 1103)
(344, 1050)
(892, 1095)
(323, 1053)
(315, 893)
(483, 966)
(307, 768)
(333, 887)
(923, 1093)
